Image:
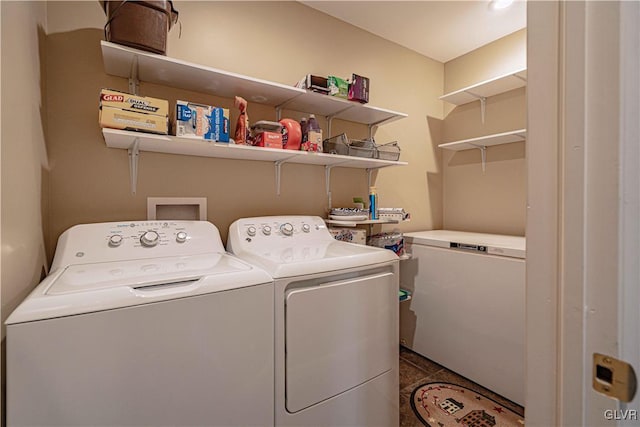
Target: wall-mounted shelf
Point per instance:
(139, 65)
(483, 90)
(345, 223)
(487, 141)
(139, 141)
(487, 88)
(483, 142)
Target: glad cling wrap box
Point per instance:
(202, 121)
(121, 110)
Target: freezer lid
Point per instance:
(493, 244)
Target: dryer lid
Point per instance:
(301, 258)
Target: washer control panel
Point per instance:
(148, 234)
(114, 241)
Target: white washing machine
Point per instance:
(336, 322)
(467, 310)
(146, 324)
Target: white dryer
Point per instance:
(336, 322)
(143, 323)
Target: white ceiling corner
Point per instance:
(441, 30)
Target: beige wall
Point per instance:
(24, 153)
(90, 182)
(493, 201)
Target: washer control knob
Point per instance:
(286, 229)
(115, 240)
(181, 237)
(150, 239)
(251, 231)
(266, 230)
(306, 228)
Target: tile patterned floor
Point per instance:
(416, 370)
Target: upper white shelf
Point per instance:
(115, 138)
(487, 88)
(126, 62)
(487, 141)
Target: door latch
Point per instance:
(614, 378)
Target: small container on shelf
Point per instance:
(388, 151)
(338, 144)
(362, 148)
(393, 241)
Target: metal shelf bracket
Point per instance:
(134, 152)
(483, 107)
(278, 165)
(134, 83)
(483, 154)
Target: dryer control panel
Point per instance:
(116, 241)
(279, 230)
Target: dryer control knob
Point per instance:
(181, 237)
(266, 230)
(286, 229)
(306, 228)
(251, 231)
(115, 240)
(149, 239)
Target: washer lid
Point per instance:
(86, 288)
(494, 244)
(142, 272)
(300, 258)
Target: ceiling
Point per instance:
(442, 30)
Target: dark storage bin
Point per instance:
(140, 24)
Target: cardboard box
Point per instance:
(313, 83)
(121, 110)
(350, 235)
(338, 87)
(202, 121)
(359, 89)
(127, 101)
(268, 140)
(117, 118)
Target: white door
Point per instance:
(583, 236)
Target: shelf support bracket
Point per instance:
(483, 106)
(483, 154)
(278, 113)
(278, 164)
(327, 182)
(369, 172)
(134, 83)
(372, 129)
(329, 121)
(134, 152)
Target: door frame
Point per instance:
(583, 236)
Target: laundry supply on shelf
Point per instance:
(243, 134)
(202, 121)
(267, 134)
(312, 139)
(121, 110)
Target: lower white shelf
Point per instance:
(170, 144)
(136, 142)
(486, 141)
(345, 223)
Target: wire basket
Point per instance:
(338, 144)
(388, 151)
(362, 148)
